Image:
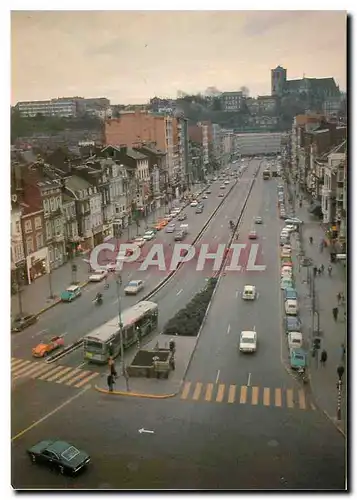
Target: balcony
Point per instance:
(54, 213)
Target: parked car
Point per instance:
(294, 221)
(99, 275)
(286, 282)
(134, 287)
(71, 293)
(295, 340)
(60, 455)
(297, 359)
(194, 203)
(182, 217)
(285, 253)
(248, 341)
(149, 235)
(290, 293)
(292, 324)
(22, 321)
(291, 307)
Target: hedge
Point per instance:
(187, 321)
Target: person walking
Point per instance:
(338, 298)
(311, 240)
(110, 382)
(314, 269)
(323, 358)
(322, 269)
(343, 352)
(335, 313)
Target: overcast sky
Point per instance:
(132, 56)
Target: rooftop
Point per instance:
(76, 183)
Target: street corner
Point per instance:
(134, 394)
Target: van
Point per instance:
(291, 307)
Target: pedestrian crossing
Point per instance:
(246, 395)
(59, 374)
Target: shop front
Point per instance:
(37, 264)
(18, 276)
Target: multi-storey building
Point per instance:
(18, 263)
(61, 107)
(157, 172)
(72, 237)
(259, 143)
(333, 191)
(232, 101)
(180, 142)
(88, 209)
(142, 127)
(33, 230)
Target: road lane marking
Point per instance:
(81, 375)
(50, 373)
(40, 333)
(68, 376)
(289, 398)
(197, 391)
(21, 363)
(237, 294)
(209, 392)
(243, 394)
(302, 401)
(249, 377)
(217, 378)
(180, 291)
(59, 374)
(86, 380)
(48, 415)
(82, 364)
(232, 394)
(220, 393)
(266, 396)
(255, 394)
(228, 329)
(186, 390)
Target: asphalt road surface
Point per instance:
(198, 445)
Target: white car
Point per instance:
(148, 235)
(222, 187)
(286, 272)
(226, 182)
(170, 228)
(291, 307)
(204, 197)
(248, 341)
(290, 228)
(294, 221)
(134, 287)
(168, 217)
(287, 247)
(111, 267)
(249, 292)
(194, 203)
(284, 234)
(294, 340)
(285, 252)
(140, 242)
(98, 275)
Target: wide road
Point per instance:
(79, 317)
(193, 445)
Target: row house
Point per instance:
(41, 190)
(334, 191)
(88, 209)
(36, 251)
(18, 261)
(72, 237)
(157, 172)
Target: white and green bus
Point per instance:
(138, 321)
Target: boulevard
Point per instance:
(239, 422)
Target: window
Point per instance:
(38, 223)
(18, 227)
(39, 241)
(52, 204)
(46, 206)
(58, 202)
(29, 245)
(58, 226)
(28, 226)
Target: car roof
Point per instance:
(290, 300)
(72, 288)
(248, 333)
(58, 447)
(295, 334)
(249, 287)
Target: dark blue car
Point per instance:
(292, 324)
(290, 294)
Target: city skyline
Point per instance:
(92, 47)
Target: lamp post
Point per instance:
(19, 289)
(123, 367)
(51, 296)
(340, 372)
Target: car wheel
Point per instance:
(33, 458)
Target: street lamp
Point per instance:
(51, 296)
(340, 372)
(123, 367)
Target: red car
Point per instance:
(252, 235)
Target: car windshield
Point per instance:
(70, 453)
(299, 356)
(247, 340)
(133, 283)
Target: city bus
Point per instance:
(138, 321)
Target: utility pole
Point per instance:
(51, 296)
(340, 372)
(123, 367)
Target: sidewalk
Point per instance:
(323, 379)
(152, 387)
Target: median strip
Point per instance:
(135, 394)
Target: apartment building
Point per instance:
(62, 107)
(70, 224)
(18, 263)
(232, 101)
(157, 172)
(141, 127)
(37, 254)
(259, 143)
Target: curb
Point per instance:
(135, 394)
(59, 301)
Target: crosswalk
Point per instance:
(246, 395)
(59, 374)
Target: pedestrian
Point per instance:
(322, 269)
(343, 352)
(342, 298)
(338, 298)
(329, 269)
(335, 313)
(110, 382)
(323, 357)
(311, 240)
(314, 270)
(319, 271)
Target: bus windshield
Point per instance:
(94, 345)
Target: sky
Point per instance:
(130, 57)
